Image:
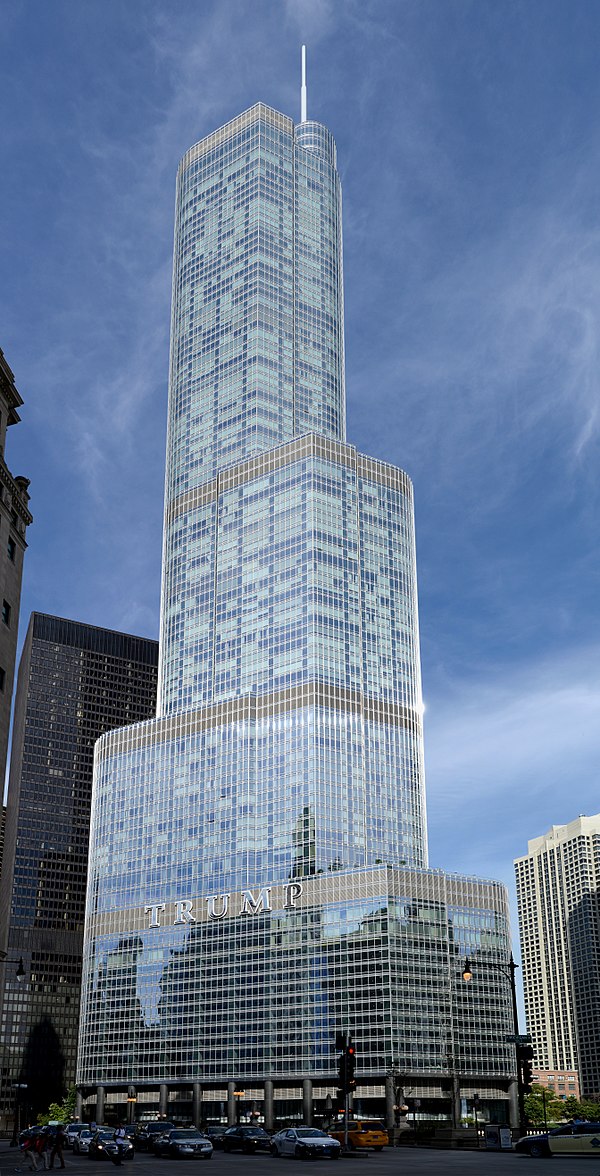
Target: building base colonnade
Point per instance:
(275, 1104)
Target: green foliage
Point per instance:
(534, 1107)
(60, 1112)
(558, 1110)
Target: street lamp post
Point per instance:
(507, 970)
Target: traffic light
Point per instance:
(350, 1067)
(526, 1060)
(346, 1068)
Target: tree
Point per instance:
(534, 1107)
(61, 1112)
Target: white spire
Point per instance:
(303, 88)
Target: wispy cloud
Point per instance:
(511, 752)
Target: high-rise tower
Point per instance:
(75, 681)
(558, 896)
(246, 846)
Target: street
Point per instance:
(391, 1162)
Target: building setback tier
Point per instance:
(254, 984)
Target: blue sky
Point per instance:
(469, 147)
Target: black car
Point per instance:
(183, 1143)
(247, 1139)
(215, 1133)
(145, 1132)
(103, 1146)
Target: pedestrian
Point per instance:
(57, 1150)
(29, 1153)
(120, 1140)
(42, 1149)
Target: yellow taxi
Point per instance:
(362, 1133)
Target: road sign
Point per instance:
(518, 1038)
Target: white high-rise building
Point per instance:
(558, 895)
(258, 863)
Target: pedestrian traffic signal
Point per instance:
(526, 1061)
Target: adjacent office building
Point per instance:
(75, 682)
(558, 896)
(15, 518)
(258, 856)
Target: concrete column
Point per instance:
(389, 1102)
(131, 1094)
(307, 1102)
(269, 1106)
(78, 1106)
(231, 1107)
(196, 1104)
(163, 1100)
(100, 1092)
(456, 1101)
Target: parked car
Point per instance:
(81, 1142)
(103, 1146)
(305, 1143)
(246, 1139)
(362, 1133)
(183, 1142)
(215, 1133)
(142, 1139)
(576, 1139)
(71, 1131)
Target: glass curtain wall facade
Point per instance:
(256, 849)
(75, 682)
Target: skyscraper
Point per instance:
(258, 854)
(75, 682)
(558, 897)
(15, 518)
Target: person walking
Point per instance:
(29, 1153)
(41, 1148)
(58, 1147)
(120, 1140)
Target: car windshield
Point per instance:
(185, 1133)
(374, 1126)
(253, 1131)
(310, 1133)
(105, 1134)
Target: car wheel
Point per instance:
(336, 1154)
(380, 1148)
(536, 1151)
(273, 1151)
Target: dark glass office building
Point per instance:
(75, 682)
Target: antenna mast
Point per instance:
(303, 89)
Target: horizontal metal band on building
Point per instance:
(256, 708)
(310, 445)
(304, 894)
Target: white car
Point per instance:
(81, 1142)
(304, 1143)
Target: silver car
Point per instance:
(305, 1143)
(81, 1142)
